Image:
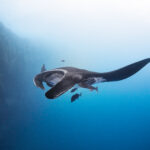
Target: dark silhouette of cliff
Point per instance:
(17, 59)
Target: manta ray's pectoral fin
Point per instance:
(60, 88)
(124, 72)
(88, 86)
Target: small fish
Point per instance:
(75, 96)
(62, 60)
(94, 88)
(73, 90)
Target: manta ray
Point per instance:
(60, 80)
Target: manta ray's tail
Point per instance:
(124, 72)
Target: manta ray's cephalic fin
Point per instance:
(61, 87)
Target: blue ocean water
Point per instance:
(115, 118)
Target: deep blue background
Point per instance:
(115, 118)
